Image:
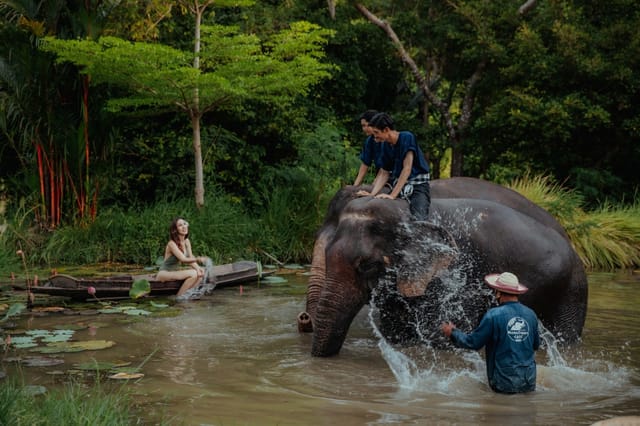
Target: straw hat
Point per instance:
(505, 282)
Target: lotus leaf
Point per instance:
(137, 312)
(37, 333)
(293, 266)
(111, 310)
(86, 345)
(159, 305)
(21, 342)
(14, 309)
(139, 288)
(56, 338)
(126, 376)
(274, 280)
(129, 370)
(94, 365)
(41, 361)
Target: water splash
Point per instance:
(426, 368)
(550, 343)
(206, 285)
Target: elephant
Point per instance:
(417, 274)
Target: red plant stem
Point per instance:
(40, 171)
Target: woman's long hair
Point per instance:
(173, 232)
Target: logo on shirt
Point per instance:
(517, 329)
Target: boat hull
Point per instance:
(118, 286)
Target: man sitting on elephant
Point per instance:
(405, 164)
(509, 334)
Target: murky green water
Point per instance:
(237, 358)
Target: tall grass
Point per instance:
(284, 228)
(70, 406)
(605, 239)
(220, 230)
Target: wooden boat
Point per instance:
(118, 286)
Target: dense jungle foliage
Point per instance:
(111, 120)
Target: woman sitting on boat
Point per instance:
(178, 252)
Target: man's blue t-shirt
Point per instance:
(510, 335)
(374, 152)
(394, 157)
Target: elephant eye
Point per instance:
(370, 268)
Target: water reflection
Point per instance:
(237, 358)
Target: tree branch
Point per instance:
(404, 55)
(527, 6)
(469, 97)
(332, 8)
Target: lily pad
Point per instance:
(22, 342)
(293, 266)
(126, 376)
(136, 312)
(112, 310)
(57, 337)
(41, 361)
(139, 288)
(37, 333)
(86, 345)
(129, 370)
(274, 279)
(14, 309)
(94, 366)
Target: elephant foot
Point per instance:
(304, 323)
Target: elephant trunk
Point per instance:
(316, 283)
(304, 323)
(338, 306)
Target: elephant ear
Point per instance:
(426, 251)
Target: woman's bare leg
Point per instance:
(190, 277)
(189, 283)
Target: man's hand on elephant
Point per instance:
(386, 196)
(447, 328)
(363, 193)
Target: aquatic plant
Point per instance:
(30, 296)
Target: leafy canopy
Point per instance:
(234, 67)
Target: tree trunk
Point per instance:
(197, 155)
(457, 157)
(195, 109)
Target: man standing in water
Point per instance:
(510, 335)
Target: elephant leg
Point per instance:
(567, 318)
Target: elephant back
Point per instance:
(472, 188)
